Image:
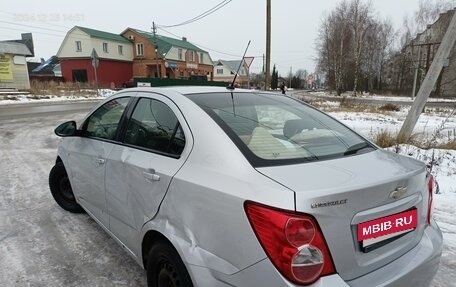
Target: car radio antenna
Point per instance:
(231, 86)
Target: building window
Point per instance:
(201, 58)
(191, 56)
(78, 46)
(105, 47)
(120, 49)
(139, 49)
(179, 54)
(219, 71)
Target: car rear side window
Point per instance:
(103, 123)
(154, 126)
(273, 129)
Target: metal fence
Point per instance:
(157, 82)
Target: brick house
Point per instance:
(114, 51)
(164, 57)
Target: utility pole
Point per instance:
(416, 72)
(263, 73)
(154, 29)
(432, 75)
(267, 82)
(291, 75)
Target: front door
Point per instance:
(88, 155)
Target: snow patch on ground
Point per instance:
(6, 99)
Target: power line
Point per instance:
(21, 30)
(199, 17)
(204, 47)
(32, 26)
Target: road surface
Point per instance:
(41, 245)
(35, 109)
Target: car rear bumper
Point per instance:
(415, 268)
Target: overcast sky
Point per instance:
(224, 34)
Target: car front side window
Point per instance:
(154, 126)
(104, 122)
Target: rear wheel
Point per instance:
(165, 268)
(60, 186)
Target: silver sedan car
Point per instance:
(208, 186)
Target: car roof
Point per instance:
(186, 90)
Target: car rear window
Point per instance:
(274, 130)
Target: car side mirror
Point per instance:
(67, 129)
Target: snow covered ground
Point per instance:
(436, 125)
(34, 230)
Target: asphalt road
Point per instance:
(42, 245)
(37, 109)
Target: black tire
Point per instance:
(60, 187)
(165, 268)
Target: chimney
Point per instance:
(27, 40)
(184, 39)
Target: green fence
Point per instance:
(156, 82)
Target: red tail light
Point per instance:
(431, 189)
(292, 241)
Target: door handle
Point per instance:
(151, 175)
(100, 161)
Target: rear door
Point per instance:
(156, 143)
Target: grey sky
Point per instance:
(295, 24)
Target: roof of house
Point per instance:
(46, 67)
(14, 48)
(166, 43)
(232, 65)
(102, 34)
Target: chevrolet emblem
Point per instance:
(398, 192)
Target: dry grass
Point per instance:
(390, 108)
(38, 88)
(447, 145)
(385, 138)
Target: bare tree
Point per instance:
(429, 11)
(333, 46)
(352, 47)
(360, 21)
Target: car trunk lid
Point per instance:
(344, 193)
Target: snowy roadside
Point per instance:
(8, 99)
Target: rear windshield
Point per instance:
(274, 130)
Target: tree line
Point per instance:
(354, 45)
